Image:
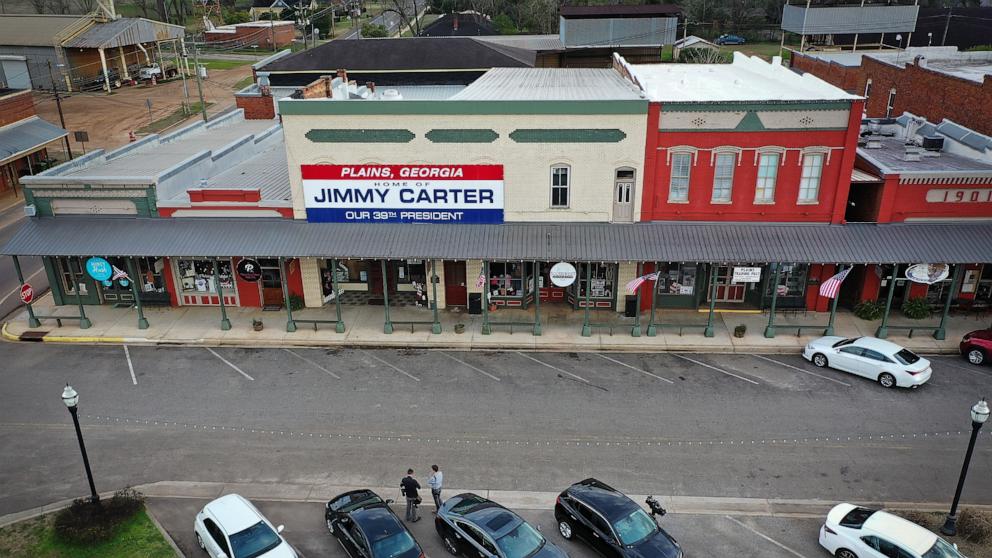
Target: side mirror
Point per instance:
(280, 528)
(389, 501)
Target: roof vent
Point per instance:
(912, 153)
(875, 127)
(391, 95)
(873, 143)
(933, 143)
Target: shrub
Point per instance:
(296, 302)
(870, 310)
(917, 308)
(740, 330)
(371, 30)
(87, 522)
(975, 526)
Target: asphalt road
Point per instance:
(678, 424)
(10, 220)
(391, 21)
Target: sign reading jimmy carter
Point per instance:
(403, 193)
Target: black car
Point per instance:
(367, 528)
(611, 523)
(475, 527)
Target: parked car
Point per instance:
(727, 39)
(976, 346)
(855, 532)
(611, 523)
(97, 82)
(887, 363)
(232, 527)
(366, 527)
(474, 527)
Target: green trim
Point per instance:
(461, 136)
(345, 135)
(750, 123)
(297, 107)
(145, 206)
(755, 106)
(55, 285)
(567, 135)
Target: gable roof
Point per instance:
(34, 29)
(125, 31)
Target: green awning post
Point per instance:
(883, 330)
(586, 328)
(142, 322)
(770, 328)
(225, 324)
(84, 322)
(537, 303)
(636, 330)
(339, 326)
(651, 332)
(708, 332)
(941, 332)
(32, 320)
(388, 326)
(290, 324)
(833, 311)
(436, 328)
(486, 328)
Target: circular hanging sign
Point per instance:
(249, 270)
(562, 274)
(27, 293)
(99, 269)
(928, 273)
(107, 283)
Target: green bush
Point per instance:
(87, 522)
(296, 302)
(740, 330)
(917, 308)
(371, 30)
(869, 310)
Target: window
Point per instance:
(197, 276)
(271, 275)
(791, 279)
(635, 527)
(907, 357)
(560, 182)
(676, 279)
(809, 185)
(602, 277)
(595, 520)
(71, 273)
(856, 518)
(723, 177)
(891, 103)
(507, 279)
(867, 89)
(396, 544)
(625, 174)
(521, 542)
(853, 351)
(764, 191)
(255, 540)
(678, 190)
(875, 355)
(216, 535)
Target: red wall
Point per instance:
(170, 282)
(907, 201)
(249, 292)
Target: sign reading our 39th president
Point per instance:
(403, 193)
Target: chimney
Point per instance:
(263, 84)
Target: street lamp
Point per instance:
(979, 414)
(71, 399)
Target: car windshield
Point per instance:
(520, 542)
(843, 342)
(906, 356)
(254, 541)
(635, 527)
(393, 545)
(941, 549)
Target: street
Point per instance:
(756, 426)
(34, 272)
(390, 20)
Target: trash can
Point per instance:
(475, 303)
(630, 306)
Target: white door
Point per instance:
(848, 359)
(623, 209)
(15, 72)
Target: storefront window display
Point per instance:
(602, 282)
(677, 279)
(791, 280)
(70, 272)
(197, 276)
(510, 279)
(983, 292)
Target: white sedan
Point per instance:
(854, 532)
(887, 363)
(231, 527)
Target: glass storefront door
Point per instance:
(726, 289)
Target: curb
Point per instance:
(165, 534)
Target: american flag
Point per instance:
(830, 287)
(118, 274)
(481, 281)
(636, 282)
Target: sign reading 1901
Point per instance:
(959, 195)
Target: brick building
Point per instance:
(24, 138)
(263, 34)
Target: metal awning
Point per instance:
(25, 137)
(657, 241)
(859, 176)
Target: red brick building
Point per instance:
(263, 34)
(24, 138)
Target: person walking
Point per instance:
(435, 482)
(409, 487)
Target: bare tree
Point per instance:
(703, 56)
(58, 6)
(86, 6)
(39, 5)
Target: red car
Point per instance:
(976, 346)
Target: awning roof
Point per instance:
(26, 136)
(665, 241)
(859, 176)
(125, 32)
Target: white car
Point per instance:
(854, 532)
(231, 527)
(876, 359)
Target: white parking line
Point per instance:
(229, 363)
(580, 378)
(797, 369)
(615, 361)
(722, 371)
(766, 537)
(479, 370)
(127, 355)
(314, 364)
(400, 370)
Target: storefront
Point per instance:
(363, 282)
(197, 284)
(70, 273)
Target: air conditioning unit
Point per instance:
(912, 154)
(30, 210)
(873, 143)
(933, 143)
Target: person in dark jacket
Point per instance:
(409, 487)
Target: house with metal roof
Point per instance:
(24, 139)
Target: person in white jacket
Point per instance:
(435, 482)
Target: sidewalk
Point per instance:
(561, 329)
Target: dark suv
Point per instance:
(611, 523)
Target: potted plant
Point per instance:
(459, 328)
(740, 330)
(256, 324)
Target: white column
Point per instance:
(103, 66)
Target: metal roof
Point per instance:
(34, 30)
(125, 31)
(267, 171)
(526, 42)
(957, 242)
(890, 159)
(30, 134)
(553, 84)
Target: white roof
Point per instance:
(748, 78)
(691, 40)
(233, 513)
(549, 84)
(905, 533)
(880, 345)
(972, 66)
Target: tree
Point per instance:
(371, 30)
(39, 5)
(704, 56)
(86, 6)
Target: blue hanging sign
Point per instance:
(124, 282)
(107, 283)
(99, 269)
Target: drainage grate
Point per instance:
(35, 336)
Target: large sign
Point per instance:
(960, 195)
(562, 274)
(99, 269)
(927, 274)
(249, 270)
(403, 193)
(747, 274)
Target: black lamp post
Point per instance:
(71, 399)
(979, 414)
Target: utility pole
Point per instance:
(947, 23)
(199, 80)
(58, 103)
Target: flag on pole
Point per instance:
(118, 274)
(636, 282)
(481, 281)
(830, 287)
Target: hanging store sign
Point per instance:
(99, 269)
(249, 270)
(747, 274)
(928, 273)
(562, 274)
(403, 193)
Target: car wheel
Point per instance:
(887, 380)
(565, 528)
(976, 356)
(449, 545)
(845, 553)
(820, 360)
(199, 541)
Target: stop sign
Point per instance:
(27, 293)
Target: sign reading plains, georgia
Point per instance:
(403, 193)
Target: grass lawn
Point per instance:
(244, 83)
(224, 64)
(176, 116)
(35, 538)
